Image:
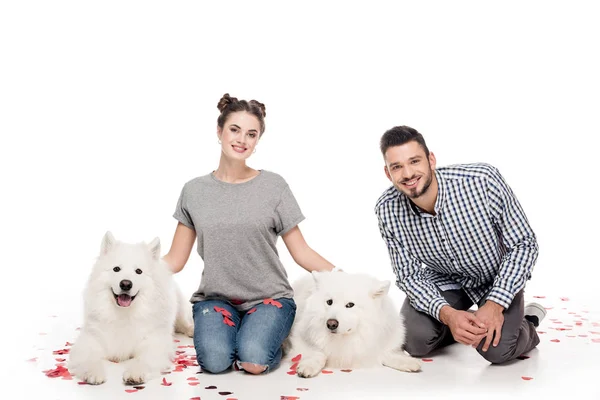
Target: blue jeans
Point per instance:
(223, 335)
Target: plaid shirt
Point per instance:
(479, 239)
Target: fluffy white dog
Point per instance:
(346, 320)
(132, 307)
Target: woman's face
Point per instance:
(239, 135)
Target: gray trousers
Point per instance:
(425, 334)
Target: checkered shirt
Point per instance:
(479, 240)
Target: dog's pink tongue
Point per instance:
(124, 300)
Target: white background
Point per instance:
(108, 108)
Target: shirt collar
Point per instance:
(439, 201)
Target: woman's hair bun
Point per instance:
(225, 101)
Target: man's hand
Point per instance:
(493, 318)
(466, 328)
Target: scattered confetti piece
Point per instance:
(210, 387)
(227, 321)
(165, 383)
(427, 359)
(82, 383)
(302, 389)
(252, 310)
(222, 311)
(193, 383)
(176, 340)
(68, 344)
(272, 302)
(58, 371)
(195, 398)
(526, 378)
(522, 357)
(346, 370)
(289, 398)
(555, 340)
(225, 393)
(192, 378)
(32, 359)
(61, 351)
(596, 340)
(139, 387)
(291, 372)
(564, 298)
(131, 390)
(326, 371)
(61, 359)
(297, 358)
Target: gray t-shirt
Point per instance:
(237, 225)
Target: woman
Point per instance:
(244, 307)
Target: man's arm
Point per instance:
(518, 238)
(422, 294)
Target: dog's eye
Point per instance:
(138, 271)
(329, 302)
(116, 269)
(350, 305)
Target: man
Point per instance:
(457, 236)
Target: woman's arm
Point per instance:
(302, 254)
(181, 247)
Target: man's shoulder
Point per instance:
(478, 170)
(391, 194)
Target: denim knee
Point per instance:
(215, 361)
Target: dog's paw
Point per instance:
(135, 374)
(188, 330)
(92, 373)
(308, 368)
(403, 363)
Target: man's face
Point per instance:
(409, 169)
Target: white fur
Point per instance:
(141, 333)
(369, 334)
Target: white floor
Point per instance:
(565, 364)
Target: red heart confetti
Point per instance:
(555, 340)
(139, 387)
(297, 358)
(192, 378)
(61, 359)
(594, 333)
(252, 310)
(176, 340)
(165, 383)
(526, 378)
(61, 351)
(583, 335)
(539, 297)
(222, 311)
(227, 321)
(291, 372)
(58, 371)
(193, 383)
(302, 389)
(131, 390)
(325, 371)
(294, 366)
(225, 393)
(32, 359)
(210, 387)
(195, 398)
(541, 332)
(596, 340)
(82, 383)
(523, 357)
(272, 302)
(289, 398)
(427, 359)
(346, 370)
(564, 298)
(68, 344)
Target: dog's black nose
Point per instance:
(126, 284)
(332, 324)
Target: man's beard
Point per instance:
(415, 193)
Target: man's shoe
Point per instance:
(535, 313)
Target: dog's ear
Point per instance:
(380, 288)
(154, 247)
(108, 241)
(316, 276)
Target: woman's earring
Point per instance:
(219, 141)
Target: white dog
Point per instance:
(346, 320)
(132, 307)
